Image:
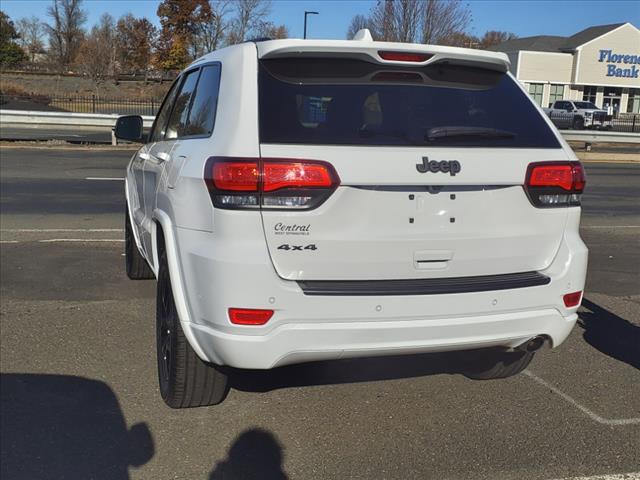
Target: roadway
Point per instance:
(79, 394)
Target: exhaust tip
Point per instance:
(532, 345)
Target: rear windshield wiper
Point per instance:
(445, 132)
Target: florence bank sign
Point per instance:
(620, 65)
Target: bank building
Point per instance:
(600, 64)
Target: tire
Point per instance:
(185, 380)
(578, 123)
(135, 264)
(494, 365)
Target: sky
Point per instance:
(522, 17)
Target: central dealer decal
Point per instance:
(291, 229)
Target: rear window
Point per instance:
(355, 102)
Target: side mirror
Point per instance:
(129, 128)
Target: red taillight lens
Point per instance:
(274, 183)
(572, 299)
(236, 176)
(554, 184)
(249, 316)
(552, 176)
(295, 175)
(579, 178)
(404, 56)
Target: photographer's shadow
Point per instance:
(61, 427)
(254, 455)
(610, 334)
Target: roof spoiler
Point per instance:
(405, 54)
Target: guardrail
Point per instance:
(53, 119)
(80, 122)
(96, 121)
(595, 136)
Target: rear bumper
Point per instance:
(303, 342)
(219, 273)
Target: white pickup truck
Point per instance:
(578, 115)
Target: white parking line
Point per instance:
(53, 240)
(104, 178)
(583, 409)
(9, 241)
(614, 476)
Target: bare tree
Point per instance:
(443, 19)
(493, 37)
(381, 21)
(406, 20)
(394, 20)
(271, 30)
(357, 23)
(461, 39)
(31, 31)
(96, 56)
(66, 30)
(210, 35)
(249, 17)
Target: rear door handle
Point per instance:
(163, 156)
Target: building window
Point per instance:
(556, 92)
(535, 90)
(589, 94)
(633, 104)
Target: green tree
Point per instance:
(11, 54)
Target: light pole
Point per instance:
(305, 21)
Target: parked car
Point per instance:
(578, 115)
(304, 200)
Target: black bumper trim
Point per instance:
(424, 286)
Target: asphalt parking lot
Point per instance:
(79, 396)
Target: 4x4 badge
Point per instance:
(444, 166)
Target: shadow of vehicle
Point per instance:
(610, 334)
(255, 454)
(354, 370)
(58, 426)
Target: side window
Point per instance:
(202, 114)
(178, 121)
(159, 126)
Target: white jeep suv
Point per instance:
(302, 200)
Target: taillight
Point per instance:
(555, 184)
(237, 176)
(249, 316)
(269, 183)
(572, 299)
(404, 56)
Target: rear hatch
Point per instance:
(431, 160)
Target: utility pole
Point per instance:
(305, 21)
